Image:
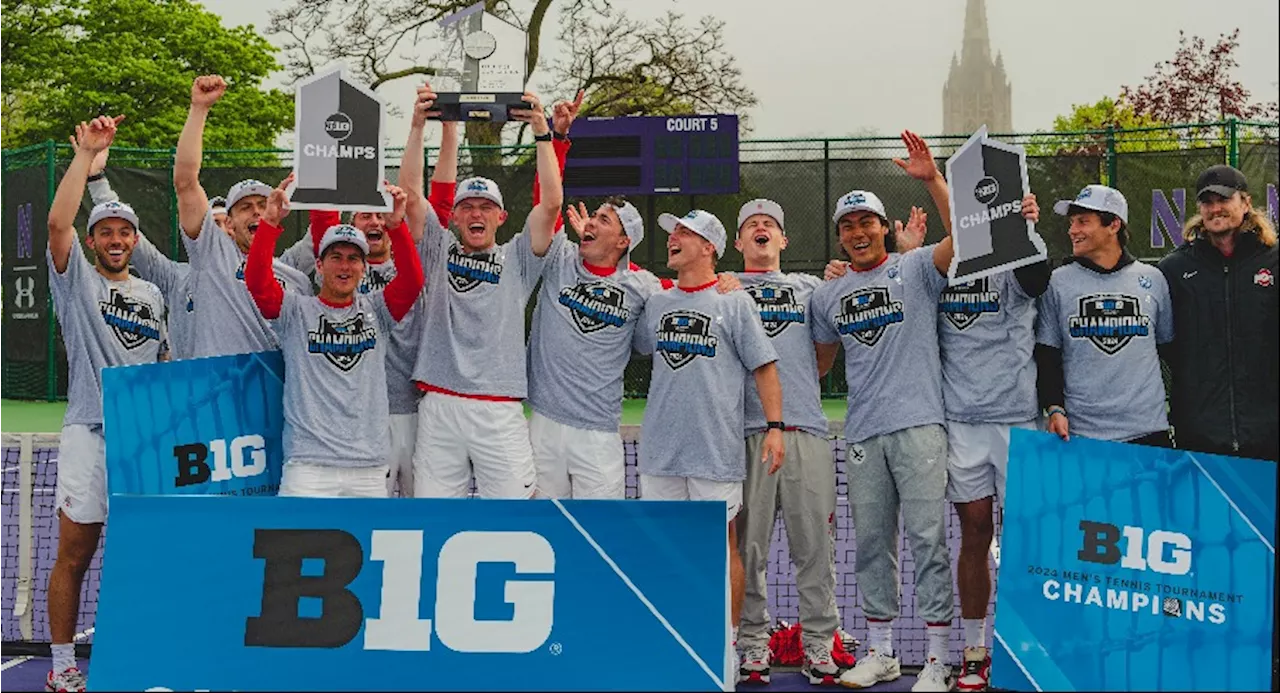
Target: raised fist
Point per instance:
(207, 89)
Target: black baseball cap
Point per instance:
(1221, 180)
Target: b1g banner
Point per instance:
(313, 594)
(987, 180)
(1130, 568)
(338, 156)
(210, 426)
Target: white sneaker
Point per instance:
(935, 676)
(755, 666)
(977, 670)
(870, 670)
(819, 667)
(68, 681)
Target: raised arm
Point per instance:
(542, 219)
(193, 204)
(407, 284)
(99, 188)
(412, 163)
(563, 114)
(921, 166)
(94, 136)
(444, 177)
(267, 294)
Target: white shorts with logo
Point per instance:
(688, 488)
(575, 462)
(306, 480)
(978, 459)
(459, 435)
(404, 431)
(81, 487)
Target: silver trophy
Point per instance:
(484, 74)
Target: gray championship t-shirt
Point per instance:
(986, 332)
(886, 318)
(782, 302)
(172, 278)
(580, 343)
(1108, 326)
(335, 383)
(473, 325)
(104, 323)
(705, 346)
(228, 322)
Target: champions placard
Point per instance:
(1127, 568)
(987, 181)
(338, 153)
(210, 426)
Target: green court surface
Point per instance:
(46, 417)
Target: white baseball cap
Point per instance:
(859, 201)
(761, 206)
(218, 205)
(1099, 198)
(343, 233)
(699, 221)
(632, 224)
(478, 187)
(113, 210)
(244, 189)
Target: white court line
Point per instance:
(27, 658)
(1231, 502)
(640, 595)
(1015, 659)
(42, 489)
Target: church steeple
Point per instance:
(977, 90)
(977, 42)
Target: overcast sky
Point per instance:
(838, 67)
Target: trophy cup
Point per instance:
(484, 74)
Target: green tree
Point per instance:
(1093, 119)
(69, 60)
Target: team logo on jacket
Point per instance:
(963, 304)
(1110, 321)
(867, 313)
(466, 272)
(778, 307)
(684, 335)
(595, 305)
(132, 322)
(343, 342)
(240, 275)
(375, 281)
(1264, 278)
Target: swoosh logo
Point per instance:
(1188, 275)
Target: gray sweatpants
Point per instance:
(805, 489)
(904, 470)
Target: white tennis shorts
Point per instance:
(306, 480)
(575, 462)
(688, 488)
(459, 435)
(81, 486)
(978, 459)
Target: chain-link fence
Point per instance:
(1154, 167)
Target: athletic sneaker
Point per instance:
(935, 676)
(755, 666)
(870, 670)
(69, 681)
(820, 667)
(977, 670)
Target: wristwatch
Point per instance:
(542, 138)
(770, 425)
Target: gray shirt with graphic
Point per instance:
(886, 320)
(104, 323)
(581, 339)
(986, 333)
(705, 346)
(1108, 326)
(473, 324)
(335, 384)
(782, 302)
(228, 321)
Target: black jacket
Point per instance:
(1224, 395)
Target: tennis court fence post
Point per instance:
(23, 607)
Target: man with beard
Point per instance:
(228, 322)
(108, 318)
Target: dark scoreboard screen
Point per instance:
(644, 155)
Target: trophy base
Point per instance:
(488, 108)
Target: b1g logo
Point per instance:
(398, 626)
(684, 335)
(595, 305)
(866, 313)
(338, 126)
(244, 456)
(1110, 321)
(466, 272)
(1161, 551)
(778, 307)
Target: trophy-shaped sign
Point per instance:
(484, 74)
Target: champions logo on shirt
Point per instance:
(1110, 321)
(240, 275)
(595, 305)
(374, 281)
(963, 304)
(344, 342)
(867, 313)
(132, 322)
(778, 307)
(684, 335)
(466, 272)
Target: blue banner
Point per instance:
(1126, 567)
(210, 426)
(311, 594)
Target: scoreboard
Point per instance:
(645, 155)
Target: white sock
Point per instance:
(64, 657)
(880, 633)
(939, 642)
(975, 632)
